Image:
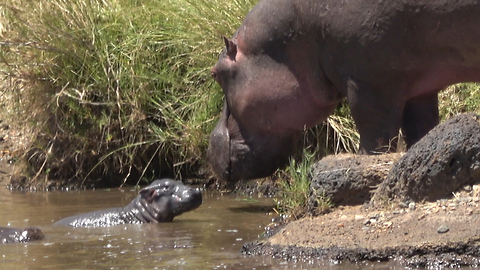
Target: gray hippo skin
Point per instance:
(17, 235)
(159, 202)
(292, 61)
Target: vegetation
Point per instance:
(295, 190)
(459, 98)
(115, 89)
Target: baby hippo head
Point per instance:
(165, 199)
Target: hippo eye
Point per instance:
(214, 75)
(165, 189)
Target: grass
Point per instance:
(295, 195)
(459, 98)
(119, 89)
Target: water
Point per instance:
(209, 237)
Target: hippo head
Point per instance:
(235, 153)
(269, 101)
(165, 199)
(15, 235)
(31, 234)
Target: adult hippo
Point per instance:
(159, 202)
(20, 235)
(292, 61)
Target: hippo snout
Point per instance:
(193, 196)
(218, 152)
(235, 154)
(218, 155)
(232, 157)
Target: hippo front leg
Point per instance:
(419, 117)
(377, 114)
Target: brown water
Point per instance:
(209, 237)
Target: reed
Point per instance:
(295, 196)
(115, 89)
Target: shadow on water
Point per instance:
(253, 209)
(209, 237)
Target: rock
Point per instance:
(446, 159)
(349, 179)
(411, 206)
(403, 205)
(476, 191)
(467, 188)
(443, 229)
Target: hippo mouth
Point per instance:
(219, 148)
(168, 207)
(234, 155)
(244, 164)
(187, 200)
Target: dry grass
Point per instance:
(116, 91)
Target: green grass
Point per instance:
(118, 89)
(293, 201)
(459, 98)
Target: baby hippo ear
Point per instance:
(231, 48)
(148, 193)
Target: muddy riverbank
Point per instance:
(445, 233)
(420, 208)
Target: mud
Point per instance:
(412, 234)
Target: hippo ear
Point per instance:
(231, 47)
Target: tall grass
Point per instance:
(115, 88)
(294, 197)
(459, 98)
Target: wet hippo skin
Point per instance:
(20, 235)
(292, 61)
(159, 202)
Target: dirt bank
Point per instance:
(424, 210)
(443, 233)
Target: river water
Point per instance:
(209, 237)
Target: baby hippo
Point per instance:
(159, 202)
(20, 235)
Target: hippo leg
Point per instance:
(419, 117)
(377, 116)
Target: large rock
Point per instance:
(348, 179)
(447, 158)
